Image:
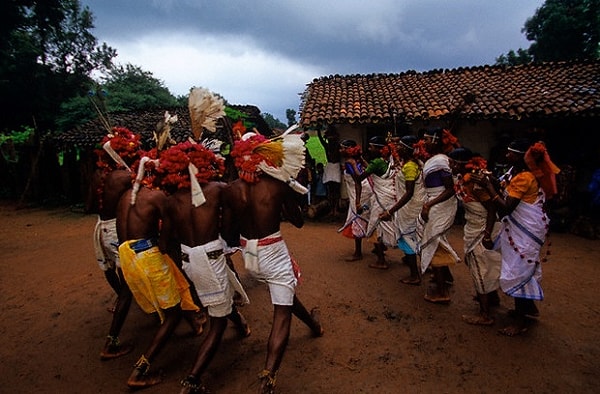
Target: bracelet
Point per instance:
(495, 197)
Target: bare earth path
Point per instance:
(381, 336)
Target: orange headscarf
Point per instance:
(539, 163)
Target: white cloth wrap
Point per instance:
(484, 264)
(436, 163)
(271, 264)
(383, 198)
(518, 277)
(360, 223)
(332, 173)
(106, 244)
(406, 217)
(432, 234)
(196, 190)
(214, 281)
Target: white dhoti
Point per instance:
(106, 244)
(269, 260)
(214, 281)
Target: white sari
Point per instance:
(520, 241)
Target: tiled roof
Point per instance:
(144, 122)
(485, 92)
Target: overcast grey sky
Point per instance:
(265, 52)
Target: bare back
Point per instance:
(255, 209)
(193, 226)
(114, 185)
(142, 219)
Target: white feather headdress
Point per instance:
(205, 108)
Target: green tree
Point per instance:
(522, 56)
(560, 30)
(273, 122)
(290, 114)
(47, 54)
(124, 88)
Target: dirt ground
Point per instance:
(381, 336)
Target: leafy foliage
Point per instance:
(125, 88)
(273, 122)
(560, 30)
(47, 54)
(290, 114)
(513, 58)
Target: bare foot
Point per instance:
(354, 258)
(267, 382)
(191, 385)
(315, 313)
(196, 320)
(411, 281)
(140, 377)
(513, 330)
(434, 297)
(238, 300)
(381, 266)
(478, 320)
(114, 349)
(243, 328)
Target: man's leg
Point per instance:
(310, 319)
(140, 377)
(208, 349)
(278, 340)
(240, 322)
(112, 347)
(113, 280)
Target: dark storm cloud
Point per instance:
(326, 37)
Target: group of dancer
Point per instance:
(168, 225)
(407, 193)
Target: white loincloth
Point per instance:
(271, 263)
(106, 244)
(214, 281)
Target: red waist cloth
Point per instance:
(263, 241)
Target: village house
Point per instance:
(484, 106)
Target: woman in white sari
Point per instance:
(436, 219)
(381, 172)
(527, 184)
(356, 224)
(411, 196)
